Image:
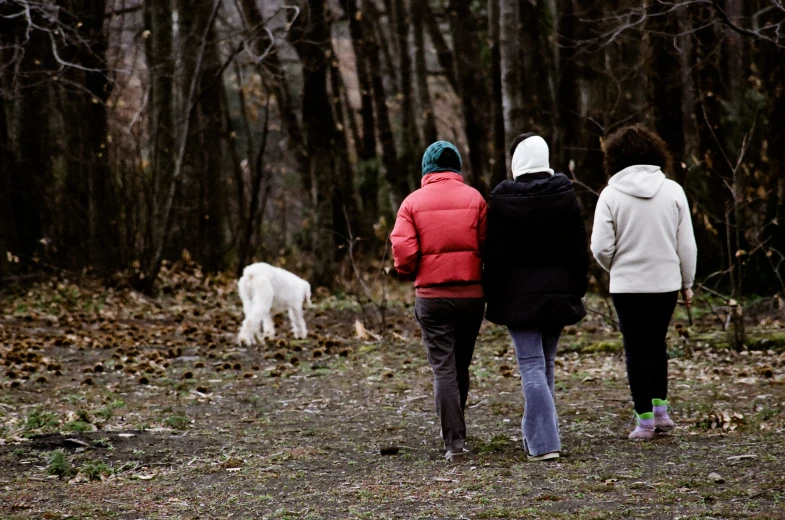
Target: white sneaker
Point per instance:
(548, 456)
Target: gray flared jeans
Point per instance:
(536, 352)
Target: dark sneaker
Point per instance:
(455, 456)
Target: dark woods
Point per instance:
(288, 131)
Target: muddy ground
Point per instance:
(114, 405)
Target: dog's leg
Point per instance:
(300, 320)
(247, 334)
(293, 320)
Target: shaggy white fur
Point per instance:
(267, 291)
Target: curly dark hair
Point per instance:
(633, 145)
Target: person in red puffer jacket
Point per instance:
(438, 235)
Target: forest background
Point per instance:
(133, 132)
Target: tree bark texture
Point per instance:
(512, 78)
(472, 90)
(410, 138)
(499, 157)
(366, 148)
(320, 138)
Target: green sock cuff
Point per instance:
(659, 402)
(647, 415)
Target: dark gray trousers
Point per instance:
(449, 330)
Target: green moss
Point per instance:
(496, 444)
(609, 345)
(77, 426)
(774, 341)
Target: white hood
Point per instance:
(531, 156)
(642, 181)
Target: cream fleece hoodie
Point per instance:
(643, 233)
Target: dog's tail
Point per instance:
(308, 294)
(242, 287)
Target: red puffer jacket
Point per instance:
(438, 236)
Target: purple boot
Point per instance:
(644, 430)
(662, 422)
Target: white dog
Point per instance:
(267, 291)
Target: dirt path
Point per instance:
(294, 429)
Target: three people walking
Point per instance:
(532, 242)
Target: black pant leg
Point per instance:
(662, 306)
(632, 320)
(644, 321)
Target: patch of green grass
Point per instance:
(609, 346)
(41, 420)
(59, 464)
(103, 443)
(177, 421)
(77, 426)
(497, 444)
(74, 398)
(94, 469)
(106, 412)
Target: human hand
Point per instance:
(687, 294)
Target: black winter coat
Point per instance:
(536, 257)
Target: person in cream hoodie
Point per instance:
(643, 236)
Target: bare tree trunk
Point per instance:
(499, 158)
(344, 194)
(443, 52)
(272, 70)
(664, 85)
(202, 219)
(8, 240)
(32, 176)
(159, 54)
(366, 148)
(471, 89)
(428, 120)
(568, 116)
(410, 138)
(777, 150)
(163, 224)
(321, 139)
(256, 187)
(396, 178)
(512, 79)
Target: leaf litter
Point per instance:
(254, 445)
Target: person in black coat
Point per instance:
(535, 276)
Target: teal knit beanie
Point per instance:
(441, 156)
